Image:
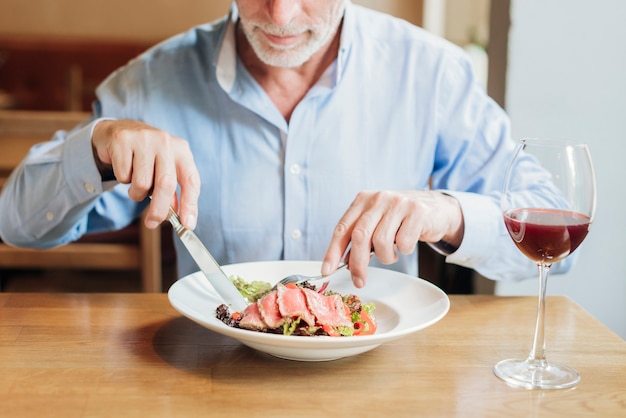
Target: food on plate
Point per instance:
(252, 291)
(303, 310)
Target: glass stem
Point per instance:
(538, 351)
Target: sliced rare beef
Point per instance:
(292, 304)
(252, 319)
(270, 313)
(286, 304)
(328, 310)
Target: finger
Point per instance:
(113, 149)
(342, 235)
(159, 207)
(396, 230)
(409, 233)
(189, 180)
(336, 248)
(359, 256)
(163, 189)
(361, 244)
(142, 176)
(121, 163)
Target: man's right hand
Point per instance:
(154, 163)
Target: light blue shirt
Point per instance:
(397, 108)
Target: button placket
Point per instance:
(295, 196)
(295, 169)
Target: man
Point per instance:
(292, 129)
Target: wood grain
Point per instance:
(79, 355)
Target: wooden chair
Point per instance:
(134, 247)
(59, 73)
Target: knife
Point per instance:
(208, 265)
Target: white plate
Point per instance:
(404, 305)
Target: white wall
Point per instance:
(567, 78)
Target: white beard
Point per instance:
(290, 56)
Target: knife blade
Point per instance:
(208, 265)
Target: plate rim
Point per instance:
(303, 343)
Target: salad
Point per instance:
(299, 310)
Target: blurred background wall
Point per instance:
(145, 20)
(567, 78)
(153, 20)
(54, 53)
(137, 19)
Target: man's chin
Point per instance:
(284, 63)
(284, 59)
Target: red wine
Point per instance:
(546, 235)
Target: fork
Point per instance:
(300, 278)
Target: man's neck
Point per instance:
(286, 87)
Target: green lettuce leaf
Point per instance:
(252, 291)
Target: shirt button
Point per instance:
(296, 234)
(90, 187)
(295, 169)
(49, 216)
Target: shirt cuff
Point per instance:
(79, 166)
(442, 247)
(483, 226)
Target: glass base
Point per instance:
(536, 374)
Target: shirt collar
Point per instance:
(227, 58)
(345, 41)
(226, 64)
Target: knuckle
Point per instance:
(405, 245)
(341, 229)
(360, 235)
(401, 202)
(379, 242)
(142, 183)
(414, 206)
(379, 196)
(192, 178)
(166, 182)
(183, 145)
(362, 195)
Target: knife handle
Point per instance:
(175, 221)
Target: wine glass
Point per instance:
(548, 204)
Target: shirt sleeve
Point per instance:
(48, 198)
(475, 148)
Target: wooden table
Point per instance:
(125, 355)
